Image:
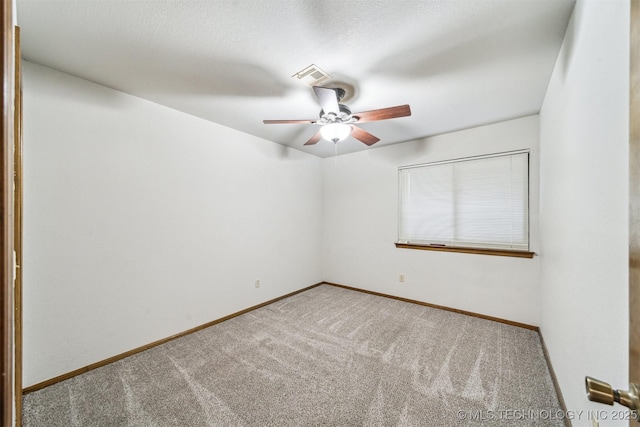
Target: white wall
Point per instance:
(141, 222)
(360, 228)
(584, 202)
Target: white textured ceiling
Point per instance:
(458, 63)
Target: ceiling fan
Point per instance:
(338, 122)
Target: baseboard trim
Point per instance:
(556, 384)
(440, 307)
(120, 356)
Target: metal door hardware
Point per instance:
(601, 392)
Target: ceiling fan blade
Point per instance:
(363, 136)
(328, 99)
(314, 139)
(277, 122)
(383, 114)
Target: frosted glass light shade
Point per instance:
(335, 132)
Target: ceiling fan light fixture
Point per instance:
(337, 121)
(335, 132)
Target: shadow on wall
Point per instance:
(52, 84)
(565, 58)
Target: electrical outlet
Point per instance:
(401, 277)
(257, 283)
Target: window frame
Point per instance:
(520, 253)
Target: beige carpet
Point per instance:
(327, 356)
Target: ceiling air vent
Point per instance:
(312, 75)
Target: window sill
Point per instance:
(479, 251)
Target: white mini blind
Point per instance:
(480, 202)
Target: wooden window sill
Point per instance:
(480, 251)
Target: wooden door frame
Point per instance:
(9, 401)
(17, 228)
(634, 193)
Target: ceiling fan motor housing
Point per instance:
(339, 93)
(345, 114)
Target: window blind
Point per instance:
(474, 202)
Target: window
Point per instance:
(478, 202)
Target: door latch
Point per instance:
(601, 392)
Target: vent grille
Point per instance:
(312, 75)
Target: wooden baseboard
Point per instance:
(120, 356)
(440, 307)
(556, 384)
